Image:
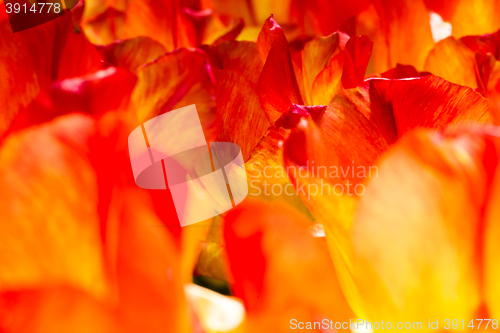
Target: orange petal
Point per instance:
(279, 266)
(242, 57)
(453, 61)
(491, 231)
(316, 56)
(166, 85)
(132, 53)
(107, 21)
(242, 120)
(49, 190)
(415, 230)
(43, 307)
(443, 103)
(387, 22)
(468, 17)
(147, 267)
(328, 83)
(359, 125)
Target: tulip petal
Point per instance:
(216, 312)
(271, 244)
(491, 233)
(107, 21)
(242, 120)
(420, 256)
(49, 191)
(94, 94)
(270, 33)
(44, 306)
(166, 85)
(242, 57)
(402, 72)
(453, 61)
(357, 54)
(147, 267)
(132, 53)
(392, 20)
(33, 58)
(316, 56)
(468, 17)
(328, 83)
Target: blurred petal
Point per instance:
(50, 197)
(489, 43)
(402, 72)
(491, 233)
(453, 61)
(468, 17)
(93, 94)
(420, 256)
(216, 312)
(277, 243)
(39, 310)
(148, 268)
(393, 20)
(322, 17)
(212, 261)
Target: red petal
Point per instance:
(357, 54)
(277, 86)
(38, 56)
(94, 94)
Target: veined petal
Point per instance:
(242, 120)
(242, 57)
(165, 85)
(132, 53)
